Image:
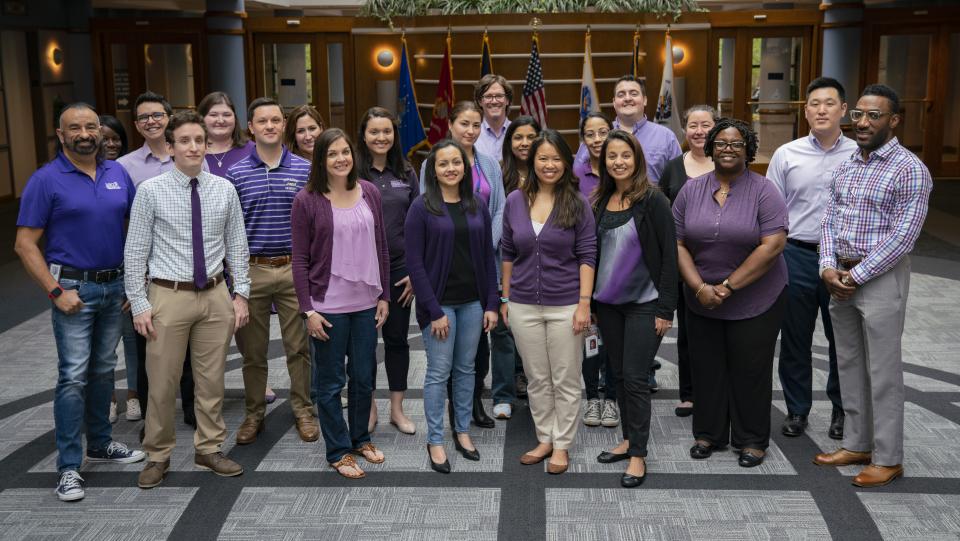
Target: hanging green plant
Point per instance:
(386, 10)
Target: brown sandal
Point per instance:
(372, 450)
(348, 462)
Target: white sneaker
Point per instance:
(133, 409)
(113, 412)
(502, 411)
(591, 416)
(611, 414)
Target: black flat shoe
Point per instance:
(480, 417)
(682, 411)
(836, 425)
(633, 481)
(794, 425)
(607, 457)
(467, 454)
(700, 451)
(749, 460)
(439, 467)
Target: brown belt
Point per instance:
(188, 286)
(848, 264)
(274, 261)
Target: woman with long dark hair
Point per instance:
(450, 258)
(636, 288)
(380, 160)
(227, 143)
(549, 250)
(304, 125)
(341, 271)
(520, 136)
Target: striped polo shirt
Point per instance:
(266, 196)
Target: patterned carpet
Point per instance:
(288, 492)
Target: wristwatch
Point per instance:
(726, 284)
(55, 292)
(306, 315)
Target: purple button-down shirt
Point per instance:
(721, 238)
(141, 164)
(659, 146)
(584, 173)
(875, 211)
(546, 267)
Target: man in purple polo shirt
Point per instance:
(81, 203)
(267, 181)
(659, 144)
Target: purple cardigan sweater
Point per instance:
(429, 242)
(312, 224)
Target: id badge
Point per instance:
(592, 342)
(55, 271)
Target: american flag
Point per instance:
(534, 98)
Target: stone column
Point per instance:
(225, 61)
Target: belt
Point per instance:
(271, 261)
(98, 276)
(188, 286)
(813, 247)
(847, 263)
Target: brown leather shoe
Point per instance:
(557, 469)
(877, 476)
(218, 464)
(153, 474)
(249, 429)
(308, 428)
(528, 460)
(842, 457)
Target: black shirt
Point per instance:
(461, 285)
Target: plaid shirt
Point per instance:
(160, 238)
(875, 210)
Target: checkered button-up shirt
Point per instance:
(875, 210)
(160, 240)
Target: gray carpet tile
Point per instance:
(608, 514)
(668, 449)
(403, 452)
(920, 517)
(348, 514)
(104, 514)
(24, 427)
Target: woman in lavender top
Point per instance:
(381, 161)
(226, 143)
(304, 125)
(593, 132)
(464, 129)
(636, 288)
(450, 259)
(731, 229)
(341, 272)
(549, 251)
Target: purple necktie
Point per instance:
(199, 262)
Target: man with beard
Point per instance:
(81, 204)
(875, 211)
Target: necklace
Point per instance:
(219, 158)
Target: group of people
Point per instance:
(515, 251)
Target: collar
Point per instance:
(881, 153)
(145, 153)
(636, 127)
(583, 168)
(503, 129)
(284, 157)
(66, 166)
(815, 143)
(183, 179)
(714, 182)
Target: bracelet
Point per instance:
(697, 294)
(504, 300)
(585, 297)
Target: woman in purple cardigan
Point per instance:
(449, 248)
(549, 249)
(341, 271)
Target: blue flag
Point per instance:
(412, 136)
(486, 61)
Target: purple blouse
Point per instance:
(481, 186)
(354, 267)
(588, 181)
(721, 238)
(221, 161)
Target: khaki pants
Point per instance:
(204, 320)
(552, 358)
(274, 286)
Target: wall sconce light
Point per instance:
(681, 57)
(678, 54)
(54, 57)
(385, 58)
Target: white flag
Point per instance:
(666, 108)
(588, 88)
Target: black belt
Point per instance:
(805, 245)
(98, 276)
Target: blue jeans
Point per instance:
(353, 337)
(454, 354)
(130, 356)
(87, 356)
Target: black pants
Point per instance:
(591, 373)
(396, 350)
(629, 333)
(143, 386)
(732, 366)
(683, 351)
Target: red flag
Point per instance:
(534, 101)
(439, 123)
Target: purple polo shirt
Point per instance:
(588, 181)
(546, 267)
(83, 220)
(721, 238)
(658, 143)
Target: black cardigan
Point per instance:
(654, 221)
(673, 178)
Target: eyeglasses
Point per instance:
(494, 97)
(724, 145)
(156, 117)
(857, 114)
(602, 134)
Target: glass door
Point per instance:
(903, 63)
(950, 149)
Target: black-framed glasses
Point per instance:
(724, 145)
(873, 115)
(156, 117)
(490, 98)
